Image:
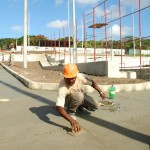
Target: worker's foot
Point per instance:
(81, 108)
(73, 116)
(84, 110)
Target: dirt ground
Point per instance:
(35, 72)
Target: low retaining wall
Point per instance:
(101, 68)
(19, 57)
(142, 73)
(52, 60)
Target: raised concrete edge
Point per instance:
(54, 86)
(31, 84)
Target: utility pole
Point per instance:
(69, 30)
(74, 33)
(25, 35)
(133, 33)
(29, 29)
(16, 42)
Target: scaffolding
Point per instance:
(97, 25)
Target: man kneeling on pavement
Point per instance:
(72, 95)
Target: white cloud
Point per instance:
(57, 24)
(126, 31)
(87, 1)
(113, 8)
(135, 3)
(115, 11)
(99, 12)
(58, 2)
(16, 28)
(116, 30)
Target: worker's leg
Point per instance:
(12, 59)
(9, 60)
(90, 103)
(73, 101)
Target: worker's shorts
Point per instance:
(79, 99)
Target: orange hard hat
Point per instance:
(70, 70)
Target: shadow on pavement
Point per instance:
(41, 112)
(117, 128)
(35, 96)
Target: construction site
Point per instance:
(30, 76)
(96, 27)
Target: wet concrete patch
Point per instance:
(110, 105)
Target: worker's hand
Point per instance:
(75, 126)
(103, 96)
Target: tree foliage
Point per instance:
(40, 40)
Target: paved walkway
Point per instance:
(29, 121)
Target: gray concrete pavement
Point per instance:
(29, 121)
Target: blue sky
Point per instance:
(49, 16)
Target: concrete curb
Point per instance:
(54, 86)
(31, 84)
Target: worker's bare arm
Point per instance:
(75, 125)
